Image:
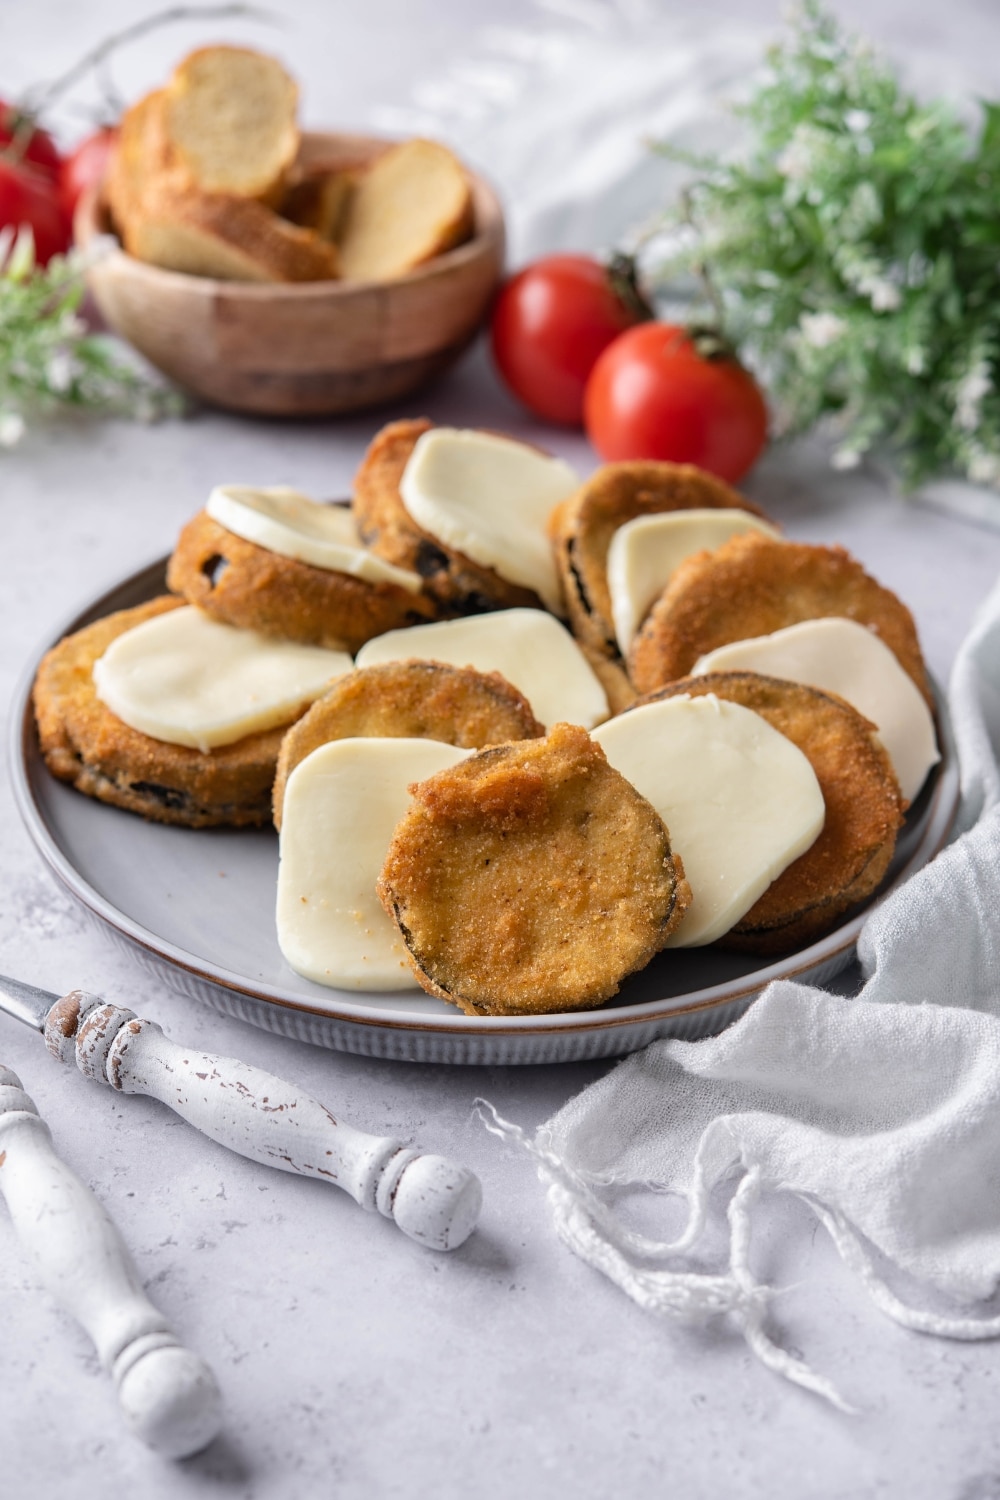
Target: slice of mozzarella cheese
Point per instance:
(645, 553)
(490, 498)
(341, 806)
(740, 801)
(283, 521)
(190, 680)
(528, 647)
(840, 656)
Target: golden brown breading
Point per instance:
(236, 581)
(387, 527)
(753, 585)
(426, 700)
(864, 808)
(85, 744)
(583, 525)
(531, 878)
(613, 678)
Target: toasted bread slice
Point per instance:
(413, 203)
(229, 118)
(318, 200)
(164, 220)
(141, 159)
(230, 239)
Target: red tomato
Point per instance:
(85, 167)
(550, 323)
(40, 148)
(659, 392)
(29, 197)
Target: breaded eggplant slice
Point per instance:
(84, 743)
(460, 585)
(613, 678)
(426, 700)
(236, 581)
(864, 808)
(583, 525)
(753, 585)
(531, 878)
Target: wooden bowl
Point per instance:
(312, 348)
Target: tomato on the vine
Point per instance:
(662, 392)
(29, 197)
(86, 166)
(35, 144)
(551, 322)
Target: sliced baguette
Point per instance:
(141, 159)
(413, 203)
(318, 199)
(230, 239)
(229, 119)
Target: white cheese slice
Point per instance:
(490, 498)
(527, 646)
(740, 801)
(646, 552)
(292, 525)
(190, 680)
(840, 656)
(341, 806)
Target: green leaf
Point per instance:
(855, 207)
(49, 360)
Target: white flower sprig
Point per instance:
(48, 357)
(854, 252)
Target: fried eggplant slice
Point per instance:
(409, 700)
(752, 586)
(864, 808)
(613, 678)
(236, 581)
(84, 743)
(531, 878)
(583, 526)
(459, 585)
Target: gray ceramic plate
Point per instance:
(196, 909)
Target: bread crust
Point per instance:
(409, 699)
(754, 585)
(223, 237)
(583, 525)
(864, 808)
(531, 878)
(386, 526)
(84, 743)
(140, 155)
(317, 198)
(242, 584)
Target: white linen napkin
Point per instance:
(882, 1113)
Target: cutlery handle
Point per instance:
(433, 1200)
(168, 1395)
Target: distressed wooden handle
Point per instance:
(169, 1395)
(433, 1200)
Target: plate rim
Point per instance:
(939, 818)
